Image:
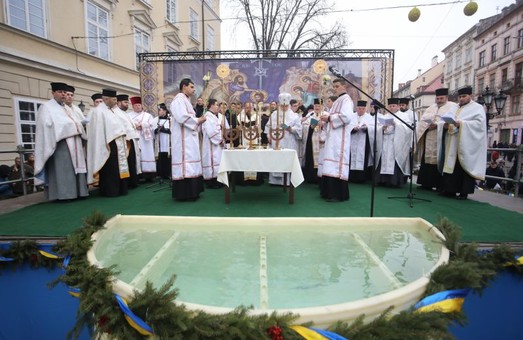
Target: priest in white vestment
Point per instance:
(334, 186)
(185, 146)
(69, 99)
(212, 145)
(107, 148)
(60, 163)
(144, 123)
(462, 148)
(310, 143)
(393, 154)
(283, 121)
(132, 136)
(427, 140)
(361, 144)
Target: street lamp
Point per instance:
(81, 106)
(480, 100)
(488, 95)
(499, 101)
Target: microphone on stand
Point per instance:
(334, 71)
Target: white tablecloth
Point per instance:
(260, 160)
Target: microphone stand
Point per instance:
(410, 195)
(381, 106)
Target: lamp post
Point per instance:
(499, 101)
(81, 106)
(485, 98)
(480, 100)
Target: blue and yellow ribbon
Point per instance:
(73, 291)
(518, 262)
(67, 259)
(447, 301)
(46, 250)
(133, 320)
(316, 334)
(328, 334)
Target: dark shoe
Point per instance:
(462, 197)
(332, 200)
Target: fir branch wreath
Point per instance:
(99, 311)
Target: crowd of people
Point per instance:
(117, 144)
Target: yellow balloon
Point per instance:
(471, 8)
(414, 14)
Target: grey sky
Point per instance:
(372, 24)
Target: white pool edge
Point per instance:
(322, 316)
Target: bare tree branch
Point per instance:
(289, 25)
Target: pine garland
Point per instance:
(100, 313)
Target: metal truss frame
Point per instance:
(285, 54)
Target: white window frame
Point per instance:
(458, 61)
(493, 53)
(506, 45)
(27, 19)
(450, 65)
(139, 47)
(515, 105)
(482, 58)
(211, 38)
(194, 18)
(98, 39)
(468, 54)
(171, 12)
(19, 121)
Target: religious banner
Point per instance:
(245, 76)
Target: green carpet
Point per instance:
(480, 221)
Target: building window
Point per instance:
(468, 55)
(517, 75)
(458, 61)
(482, 59)
(169, 69)
(481, 84)
(493, 52)
(141, 43)
(520, 38)
(193, 18)
(26, 110)
(449, 65)
(210, 38)
(27, 15)
(466, 79)
(516, 107)
(506, 46)
(171, 11)
(456, 83)
(504, 75)
(97, 31)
